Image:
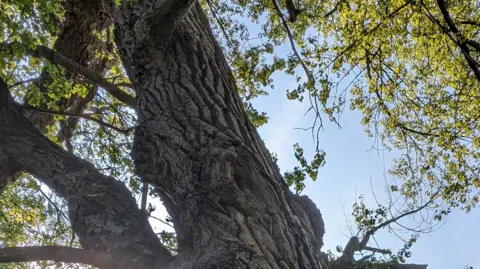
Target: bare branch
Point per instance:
(392, 265)
(469, 22)
(162, 221)
(334, 9)
(370, 232)
(52, 253)
(69, 125)
(83, 116)
(292, 43)
(378, 250)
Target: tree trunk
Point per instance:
(195, 144)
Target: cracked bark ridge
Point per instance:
(195, 144)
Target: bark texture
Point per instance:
(195, 144)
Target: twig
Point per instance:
(162, 221)
(24, 81)
(83, 116)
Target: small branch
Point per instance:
(143, 206)
(23, 82)
(58, 58)
(308, 73)
(54, 205)
(124, 84)
(469, 22)
(69, 125)
(52, 253)
(370, 232)
(83, 116)
(162, 221)
(391, 265)
(451, 32)
(334, 9)
(292, 43)
(378, 250)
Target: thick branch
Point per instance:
(76, 40)
(378, 250)
(52, 253)
(102, 210)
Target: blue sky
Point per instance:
(350, 165)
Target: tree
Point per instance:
(195, 141)
(193, 120)
(198, 167)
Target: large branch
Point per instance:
(102, 210)
(76, 40)
(52, 253)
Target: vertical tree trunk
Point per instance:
(195, 144)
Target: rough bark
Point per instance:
(195, 144)
(77, 42)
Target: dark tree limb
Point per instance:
(454, 34)
(52, 253)
(77, 41)
(102, 210)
